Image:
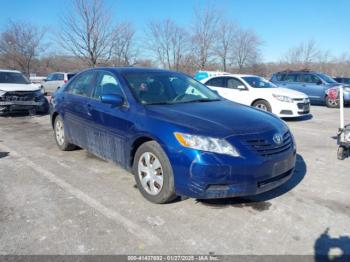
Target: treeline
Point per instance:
(87, 37)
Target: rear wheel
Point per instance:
(60, 135)
(262, 105)
(331, 103)
(153, 173)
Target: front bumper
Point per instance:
(206, 175)
(39, 105)
(299, 107)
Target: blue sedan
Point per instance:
(176, 136)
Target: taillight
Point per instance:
(65, 81)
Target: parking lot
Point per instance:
(55, 202)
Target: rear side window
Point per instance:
(82, 84)
(59, 77)
(291, 78)
(216, 81)
(107, 84)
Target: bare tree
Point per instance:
(123, 52)
(204, 33)
(246, 49)
(87, 31)
(20, 43)
(168, 42)
(303, 55)
(225, 39)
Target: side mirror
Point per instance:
(241, 87)
(319, 82)
(45, 79)
(113, 100)
(215, 92)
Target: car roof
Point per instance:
(9, 71)
(233, 75)
(298, 72)
(123, 70)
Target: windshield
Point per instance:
(327, 78)
(13, 78)
(258, 82)
(152, 88)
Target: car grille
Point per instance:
(267, 148)
(18, 96)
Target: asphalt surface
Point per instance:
(54, 202)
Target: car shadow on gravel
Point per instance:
(4, 154)
(299, 119)
(260, 202)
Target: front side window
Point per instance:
(50, 77)
(310, 78)
(107, 84)
(258, 82)
(13, 78)
(167, 88)
(216, 81)
(234, 83)
(81, 85)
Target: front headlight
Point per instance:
(209, 144)
(283, 98)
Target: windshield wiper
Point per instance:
(158, 103)
(202, 100)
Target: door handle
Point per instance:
(89, 109)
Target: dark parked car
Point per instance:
(343, 80)
(17, 94)
(314, 84)
(176, 135)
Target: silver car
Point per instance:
(55, 80)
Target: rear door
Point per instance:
(77, 115)
(292, 81)
(111, 124)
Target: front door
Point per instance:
(111, 124)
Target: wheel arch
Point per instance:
(259, 99)
(53, 118)
(135, 145)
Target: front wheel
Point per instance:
(60, 135)
(342, 153)
(153, 173)
(263, 105)
(331, 103)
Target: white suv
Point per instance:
(258, 92)
(55, 80)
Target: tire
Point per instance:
(342, 153)
(331, 103)
(262, 105)
(61, 138)
(160, 179)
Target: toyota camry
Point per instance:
(176, 136)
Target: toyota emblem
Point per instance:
(278, 139)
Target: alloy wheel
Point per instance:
(59, 131)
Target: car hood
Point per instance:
(287, 92)
(18, 87)
(219, 118)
